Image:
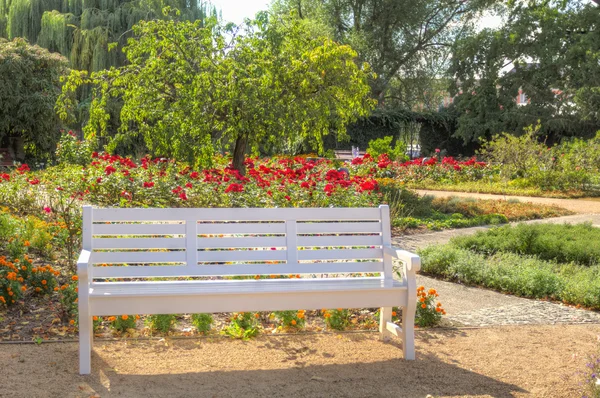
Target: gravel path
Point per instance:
(471, 306)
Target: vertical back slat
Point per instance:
(87, 226)
(291, 242)
(387, 241)
(191, 238)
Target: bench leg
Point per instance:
(86, 339)
(408, 331)
(385, 316)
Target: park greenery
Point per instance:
(190, 90)
(557, 262)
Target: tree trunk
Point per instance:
(239, 153)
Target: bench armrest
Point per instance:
(83, 263)
(411, 260)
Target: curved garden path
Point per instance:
(471, 306)
(581, 206)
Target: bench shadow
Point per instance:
(303, 375)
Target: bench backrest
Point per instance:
(235, 241)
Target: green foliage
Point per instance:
(578, 243)
(290, 319)
(71, 150)
(122, 323)
(202, 322)
(243, 325)
(161, 322)
(30, 84)
(561, 78)
(384, 145)
(273, 85)
(337, 319)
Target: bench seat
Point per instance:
(248, 295)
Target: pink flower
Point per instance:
(437, 150)
(47, 210)
(183, 196)
(35, 181)
(148, 184)
(288, 197)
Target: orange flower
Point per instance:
(63, 287)
(293, 322)
(56, 289)
(432, 291)
(394, 313)
(10, 293)
(3, 299)
(298, 276)
(95, 318)
(23, 288)
(422, 299)
(438, 304)
(257, 315)
(74, 278)
(72, 322)
(438, 309)
(26, 243)
(339, 309)
(24, 268)
(137, 317)
(44, 282)
(423, 305)
(124, 317)
(300, 315)
(112, 318)
(420, 288)
(37, 289)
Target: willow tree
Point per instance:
(82, 30)
(30, 82)
(190, 89)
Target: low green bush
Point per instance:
(566, 243)
(523, 275)
(161, 322)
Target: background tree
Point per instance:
(189, 88)
(548, 50)
(82, 30)
(406, 42)
(29, 87)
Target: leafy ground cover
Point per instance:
(522, 260)
(454, 212)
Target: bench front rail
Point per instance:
(161, 261)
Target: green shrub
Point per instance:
(578, 243)
(243, 325)
(202, 322)
(384, 145)
(337, 319)
(122, 323)
(161, 322)
(290, 319)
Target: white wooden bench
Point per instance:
(203, 245)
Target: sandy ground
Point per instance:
(583, 206)
(517, 361)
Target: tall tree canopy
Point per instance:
(405, 41)
(189, 88)
(548, 50)
(29, 87)
(82, 30)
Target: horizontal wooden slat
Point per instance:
(342, 254)
(338, 227)
(138, 257)
(138, 229)
(138, 243)
(339, 241)
(206, 243)
(236, 214)
(236, 269)
(241, 228)
(242, 255)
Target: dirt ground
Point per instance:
(517, 361)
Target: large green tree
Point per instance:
(189, 88)
(548, 50)
(29, 86)
(82, 30)
(406, 42)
